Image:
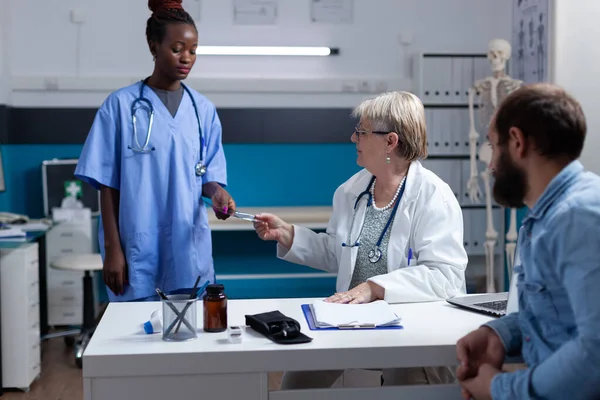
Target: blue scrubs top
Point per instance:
(163, 221)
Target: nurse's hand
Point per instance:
(222, 202)
(363, 293)
(271, 227)
(114, 271)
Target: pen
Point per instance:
(202, 289)
(161, 294)
(409, 254)
(193, 293)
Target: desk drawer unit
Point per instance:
(65, 288)
(21, 353)
(69, 315)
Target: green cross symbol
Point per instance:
(73, 189)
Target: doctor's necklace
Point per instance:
(375, 253)
(400, 187)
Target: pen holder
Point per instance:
(180, 316)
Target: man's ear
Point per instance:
(517, 142)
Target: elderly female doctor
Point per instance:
(396, 231)
(153, 151)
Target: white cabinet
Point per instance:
(65, 288)
(21, 355)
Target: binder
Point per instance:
(308, 315)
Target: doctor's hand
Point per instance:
(114, 271)
(271, 227)
(222, 202)
(363, 293)
(482, 346)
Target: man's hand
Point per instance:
(115, 271)
(363, 293)
(482, 346)
(222, 202)
(480, 387)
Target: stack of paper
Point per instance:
(7, 232)
(377, 313)
(30, 226)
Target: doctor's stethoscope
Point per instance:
(142, 102)
(375, 253)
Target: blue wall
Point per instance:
(259, 175)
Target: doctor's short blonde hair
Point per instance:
(400, 112)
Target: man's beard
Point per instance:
(510, 185)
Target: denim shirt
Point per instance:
(557, 326)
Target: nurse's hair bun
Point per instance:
(165, 12)
(159, 6)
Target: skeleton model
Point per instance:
(490, 91)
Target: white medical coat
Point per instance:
(428, 220)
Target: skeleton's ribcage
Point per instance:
(486, 105)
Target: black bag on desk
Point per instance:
(277, 327)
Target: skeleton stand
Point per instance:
(511, 240)
(491, 235)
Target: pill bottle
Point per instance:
(215, 308)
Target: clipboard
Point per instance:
(310, 320)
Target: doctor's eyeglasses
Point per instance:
(363, 132)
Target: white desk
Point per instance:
(121, 362)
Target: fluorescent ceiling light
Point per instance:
(266, 51)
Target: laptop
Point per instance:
(494, 304)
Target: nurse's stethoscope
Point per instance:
(375, 253)
(143, 102)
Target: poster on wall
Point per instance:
(255, 12)
(530, 40)
(332, 11)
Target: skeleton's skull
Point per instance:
(498, 53)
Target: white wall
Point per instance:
(46, 47)
(4, 56)
(576, 65)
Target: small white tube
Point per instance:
(154, 325)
